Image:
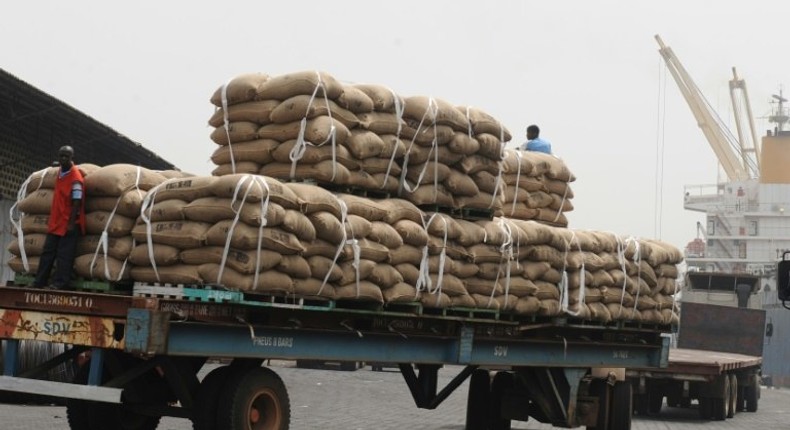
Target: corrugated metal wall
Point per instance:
(5, 238)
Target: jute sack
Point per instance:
(240, 131)
(406, 254)
(463, 144)
(114, 179)
(325, 171)
(327, 227)
(214, 209)
(303, 106)
(445, 265)
(669, 286)
(470, 233)
(552, 276)
(527, 183)
(297, 223)
(282, 87)
(242, 261)
(419, 155)
(34, 224)
(246, 238)
(295, 266)
(357, 226)
(549, 308)
(592, 295)
(362, 291)
(365, 144)
(548, 254)
(575, 279)
(116, 247)
(240, 89)
(429, 194)
(663, 253)
(462, 301)
(270, 281)
(533, 270)
(486, 287)
(369, 250)
(507, 302)
(37, 203)
(312, 198)
(647, 273)
(546, 291)
(488, 182)
(460, 184)
(409, 272)
(355, 100)
(17, 265)
(167, 210)
(369, 209)
(477, 163)
(385, 234)
(314, 154)
(254, 188)
(128, 204)
(241, 167)
(33, 244)
(322, 248)
(177, 274)
(321, 266)
(646, 302)
(602, 278)
(101, 268)
(558, 187)
(528, 305)
(382, 123)
(115, 225)
(163, 255)
(482, 122)
(257, 112)
(383, 98)
(319, 131)
(435, 300)
(352, 274)
(173, 173)
(599, 312)
(490, 146)
(186, 189)
(500, 270)
(452, 249)
(667, 270)
(485, 301)
(400, 293)
(392, 145)
(560, 204)
(385, 276)
(312, 287)
(450, 285)
(181, 234)
(428, 173)
(482, 253)
(466, 270)
(258, 151)
(45, 178)
(428, 136)
(433, 110)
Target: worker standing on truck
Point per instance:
(534, 142)
(66, 224)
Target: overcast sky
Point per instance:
(587, 72)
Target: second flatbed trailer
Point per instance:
(140, 355)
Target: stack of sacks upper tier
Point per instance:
(33, 204)
(307, 126)
(536, 187)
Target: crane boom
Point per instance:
(750, 149)
(722, 144)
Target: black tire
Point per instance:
(721, 404)
(733, 396)
(501, 384)
(655, 400)
(621, 407)
(601, 390)
(685, 402)
(78, 411)
(753, 394)
(254, 399)
(640, 404)
(204, 415)
(705, 407)
(478, 400)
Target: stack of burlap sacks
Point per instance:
(245, 229)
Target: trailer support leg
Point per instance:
(10, 357)
(423, 385)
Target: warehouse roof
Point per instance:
(34, 124)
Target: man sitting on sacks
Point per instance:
(66, 224)
(534, 142)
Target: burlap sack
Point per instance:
(460, 184)
(36, 203)
(409, 272)
(602, 278)
(312, 287)
(114, 179)
(243, 261)
(303, 106)
(369, 250)
(669, 286)
(270, 281)
(483, 301)
(392, 144)
(482, 253)
(667, 270)
(307, 82)
(500, 270)
(245, 237)
(240, 167)
(312, 199)
(314, 154)
(319, 131)
(325, 171)
(433, 110)
(490, 146)
(552, 276)
(33, 244)
(173, 173)
(385, 234)
(186, 189)
(214, 209)
(240, 131)
(355, 100)
(115, 225)
(382, 123)
(599, 312)
(364, 144)
(167, 210)
(436, 264)
(254, 188)
(369, 209)
(462, 301)
(321, 267)
(426, 136)
(31, 224)
(482, 122)
(128, 204)
(252, 111)
(45, 178)
(383, 98)
(322, 248)
(549, 308)
(435, 300)
(163, 255)
(363, 291)
(17, 265)
(297, 223)
(240, 89)
(486, 287)
(406, 254)
(463, 144)
(181, 234)
(426, 195)
(482, 200)
(295, 266)
(663, 253)
(101, 268)
(385, 276)
(477, 163)
(258, 151)
(487, 182)
(327, 227)
(400, 293)
(528, 305)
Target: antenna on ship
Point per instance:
(780, 116)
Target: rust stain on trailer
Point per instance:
(61, 328)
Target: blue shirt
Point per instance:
(537, 144)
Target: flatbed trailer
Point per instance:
(138, 356)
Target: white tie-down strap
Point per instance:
(300, 147)
(518, 156)
(564, 287)
(424, 281)
(16, 216)
(353, 242)
(226, 124)
(562, 203)
(621, 245)
(433, 109)
(638, 261)
(399, 114)
(244, 185)
(145, 215)
(102, 247)
(499, 186)
(506, 256)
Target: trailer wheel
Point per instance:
(601, 390)
(204, 416)
(254, 399)
(720, 405)
(753, 394)
(733, 399)
(502, 382)
(478, 400)
(705, 407)
(655, 399)
(640, 404)
(621, 407)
